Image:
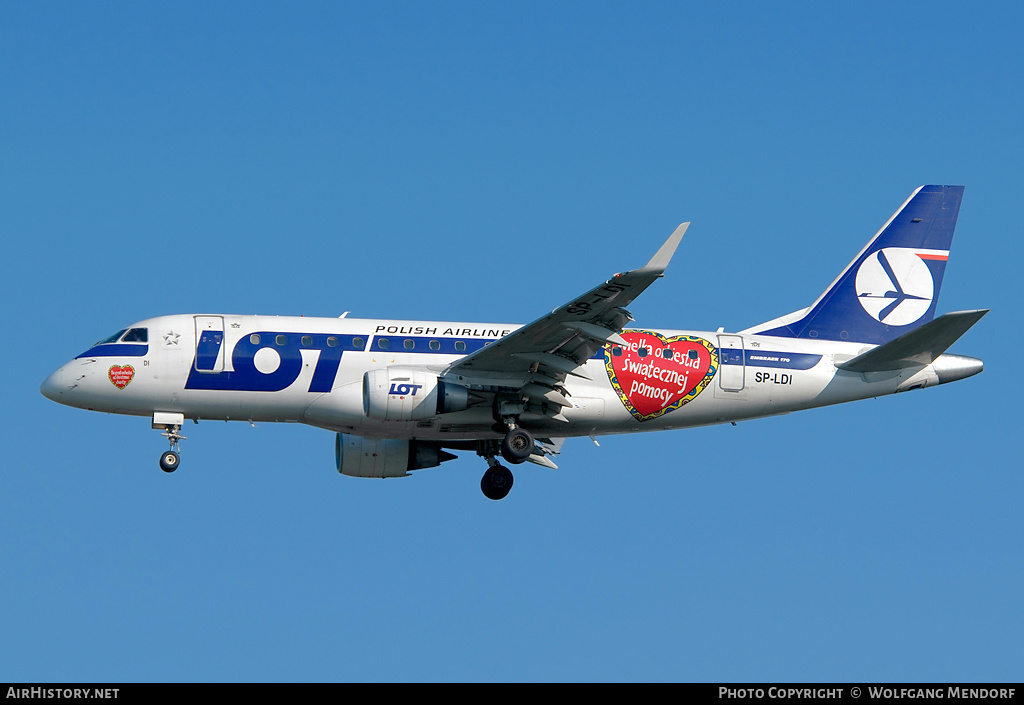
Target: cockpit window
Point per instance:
(136, 335)
(112, 339)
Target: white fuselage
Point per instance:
(311, 370)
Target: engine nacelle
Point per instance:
(384, 457)
(405, 394)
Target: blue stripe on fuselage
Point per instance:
(116, 350)
(421, 344)
(768, 358)
(445, 346)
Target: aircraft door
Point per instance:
(209, 343)
(732, 368)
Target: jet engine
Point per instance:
(404, 394)
(385, 457)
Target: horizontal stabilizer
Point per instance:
(920, 346)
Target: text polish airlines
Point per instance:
(400, 394)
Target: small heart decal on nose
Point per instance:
(121, 376)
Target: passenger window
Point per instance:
(642, 352)
(332, 341)
(255, 338)
(358, 343)
(460, 346)
(435, 345)
(409, 344)
(617, 351)
(136, 335)
(667, 353)
(282, 340)
(692, 354)
(307, 341)
(382, 343)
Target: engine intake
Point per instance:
(402, 394)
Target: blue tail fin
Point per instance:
(892, 286)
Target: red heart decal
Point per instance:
(121, 376)
(654, 375)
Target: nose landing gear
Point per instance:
(169, 459)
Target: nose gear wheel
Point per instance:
(169, 459)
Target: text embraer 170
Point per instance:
(401, 394)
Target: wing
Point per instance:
(535, 359)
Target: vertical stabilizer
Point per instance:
(892, 286)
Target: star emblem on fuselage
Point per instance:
(171, 338)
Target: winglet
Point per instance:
(662, 257)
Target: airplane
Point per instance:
(401, 394)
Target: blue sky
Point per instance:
(484, 162)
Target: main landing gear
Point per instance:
(516, 448)
(169, 460)
(497, 481)
(517, 445)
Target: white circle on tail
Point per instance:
(895, 286)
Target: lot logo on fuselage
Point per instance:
(895, 286)
(269, 361)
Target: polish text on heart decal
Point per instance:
(654, 375)
(121, 376)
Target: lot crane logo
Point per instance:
(121, 376)
(654, 375)
(895, 286)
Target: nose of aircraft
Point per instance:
(53, 386)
